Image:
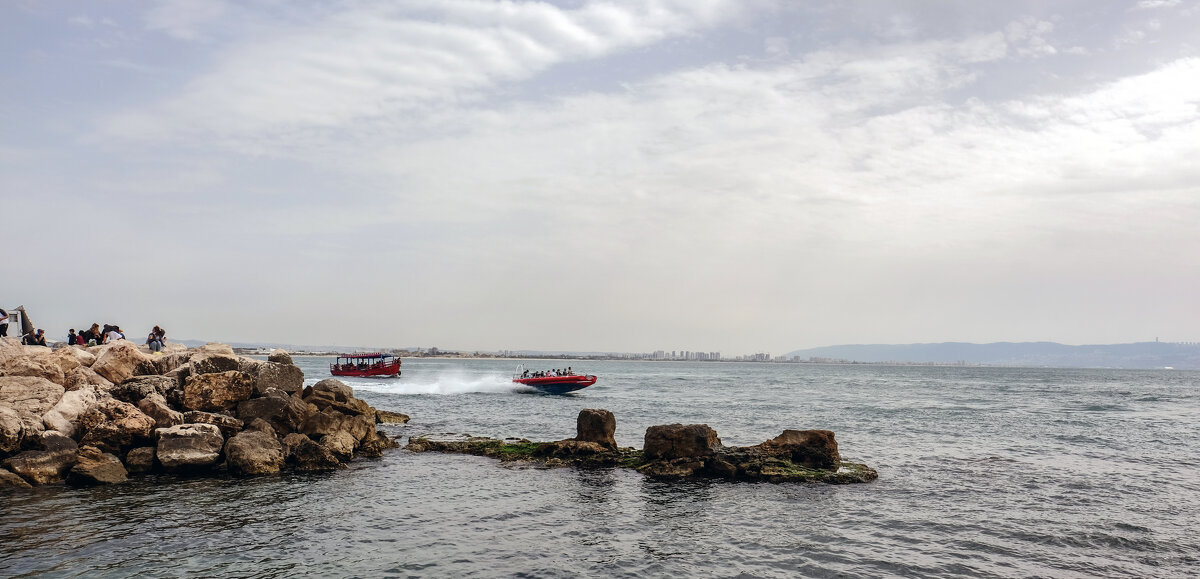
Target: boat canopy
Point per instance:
(370, 356)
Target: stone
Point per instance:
(332, 388)
(284, 413)
(340, 444)
(674, 468)
(254, 452)
(113, 426)
(33, 362)
(95, 467)
(167, 363)
(671, 441)
(217, 390)
(135, 389)
(809, 448)
(280, 357)
(12, 430)
(121, 360)
(9, 479)
(389, 417)
(156, 407)
(82, 377)
(189, 447)
(374, 444)
(571, 449)
(329, 421)
(228, 425)
(32, 394)
(140, 460)
(285, 377)
(308, 456)
(596, 425)
(66, 414)
(47, 465)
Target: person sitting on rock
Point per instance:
(72, 336)
(3, 323)
(153, 341)
(113, 334)
(33, 338)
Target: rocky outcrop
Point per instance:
(598, 426)
(189, 447)
(281, 357)
(95, 467)
(389, 417)
(674, 451)
(98, 415)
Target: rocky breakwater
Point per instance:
(100, 414)
(672, 451)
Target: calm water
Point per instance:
(982, 472)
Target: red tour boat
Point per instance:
(560, 384)
(366, 365)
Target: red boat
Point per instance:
(554, 384)
(366, 365)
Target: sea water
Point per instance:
(983, 472)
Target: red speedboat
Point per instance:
(554, 384)
(374, 365)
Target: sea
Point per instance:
(983, 472)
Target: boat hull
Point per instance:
(557, 384)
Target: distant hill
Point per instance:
(1049, 354)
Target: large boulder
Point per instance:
(596, 425)
(189, 447)
(31, 361)
(810, 448)
(329, 421)
(389, 417)
(332, 393)
(284, 413)
(121, 360)
(135, 389)
(12, 430)
(281, 357)
(32, 394)
(254, 452)
(217, 391)
(156, 407)
(48, 464)
(374, 444)
(96, 467)
(114, 426)
(340, 444)
(307, 455)
(285, 377)
(140, 460)
(671, 441)
(228, 425)
(10, 479)
(83, 376)
(66, 414)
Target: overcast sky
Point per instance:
(733, 176)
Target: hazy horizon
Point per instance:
(628, 176)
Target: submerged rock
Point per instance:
(95, 467)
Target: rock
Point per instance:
(113, 426)
(596, 425)
(66, 414)
(228, 425)
(32, 394)
(284, 413)
(269, 375)
(389, 417)
(34, 362)
(254, 452)
(135, 389)
(335, 394)
(94, 467)
(189, 447)
(12, 430)
(46, 466)
(83, 376)
(674, 468)
(331, 388)
(140, 460)
(571, 449)
(215, 348)
(671, 441)
(155, 406)
(169, 362)
(280, 357)
(309, 456)
(82, 357)
(121, 360)
(9, 479)
(32, 428)
(374, 444)
(329, 421)
(217, 391)
(340, 444)
(809, 448)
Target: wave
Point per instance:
(447, 383)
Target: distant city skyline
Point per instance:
(711, 175)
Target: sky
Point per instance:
(623, 175)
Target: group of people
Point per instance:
(548, 373)
(97, 335)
